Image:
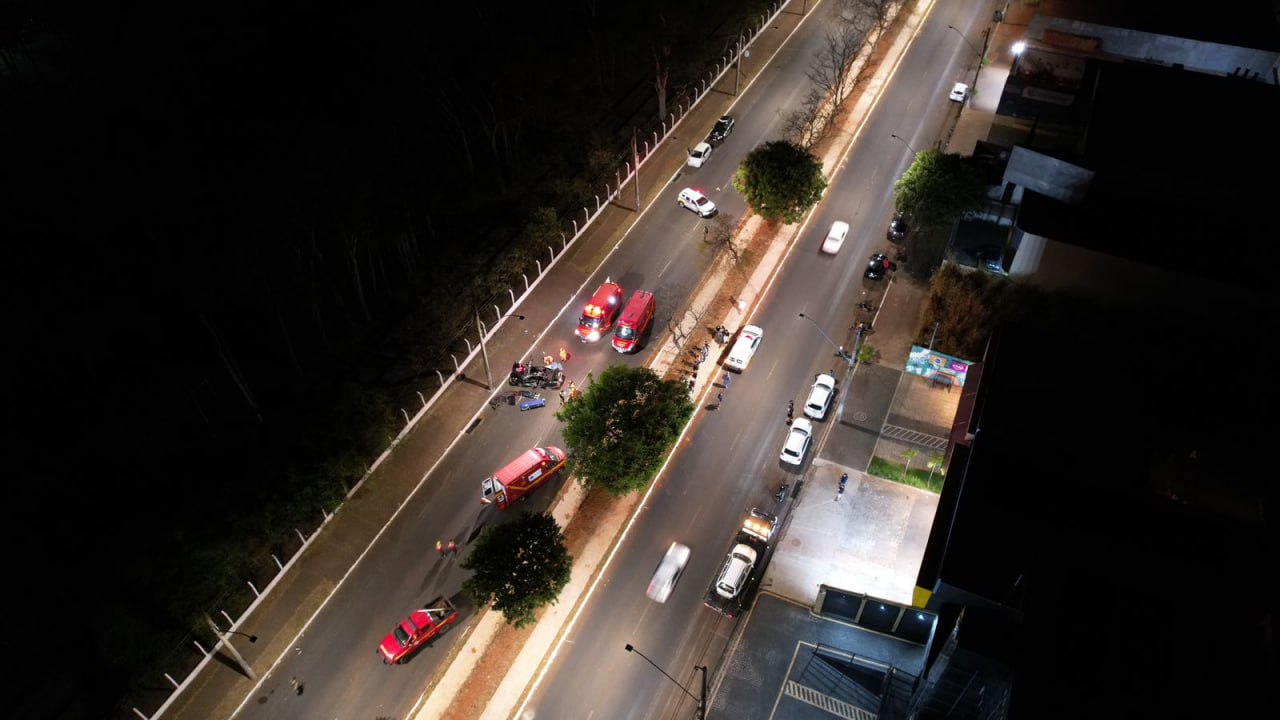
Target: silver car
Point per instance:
(668, 572)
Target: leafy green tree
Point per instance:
(938, 188)
(519, 567)
(780, 181)
(619, 429)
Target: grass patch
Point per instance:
(917, 477)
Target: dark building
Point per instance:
(1104, 545)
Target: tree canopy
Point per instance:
(938, 188)
(780, 181)
(619, 429)
(519, 567)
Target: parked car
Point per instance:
(878, 266)
(699, 155)
(835, 237)
(959, 92)
(799, 435)
(723, 127)
(824, 388)
(744, 348)
(897, 228)
(692, 199)
(668, 573)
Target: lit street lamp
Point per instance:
(702, 701)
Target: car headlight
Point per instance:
(593, 335)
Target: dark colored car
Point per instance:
(878, 266)
(723, 127)
(897, 228)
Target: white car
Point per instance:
(798, 437)
(835, 237)
(668, 572)
(824, 388)
(736, 571)
(693, 199)
(744, 348)
(959, 92)
(699, 154)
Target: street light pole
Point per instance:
(244, 666)
(702, 701)
(904, 142)
(848, 359)
(980, 53)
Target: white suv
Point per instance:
(736, 571)
(693, 199)
(699, 155)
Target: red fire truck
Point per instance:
(521, 476)
(599, 313)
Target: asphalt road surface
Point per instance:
(730, 462)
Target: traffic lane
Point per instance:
(720, 465)
(402, 571)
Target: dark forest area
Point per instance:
(239, 238)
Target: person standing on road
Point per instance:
(719, 399)
(726, 381)
(791, 411)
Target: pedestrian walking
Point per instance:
(706, 348)
(573, 391)
(562, 395)
(453, 548)
(726, 381)
(692, 381)
(791, 410)
(440, 547)
(719, 399)
(844, 478)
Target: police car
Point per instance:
(692, 199)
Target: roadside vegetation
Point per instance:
(619, 429)
(519, 567)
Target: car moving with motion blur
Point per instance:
(668, 573)
(835, 237)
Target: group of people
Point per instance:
(449, 549)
